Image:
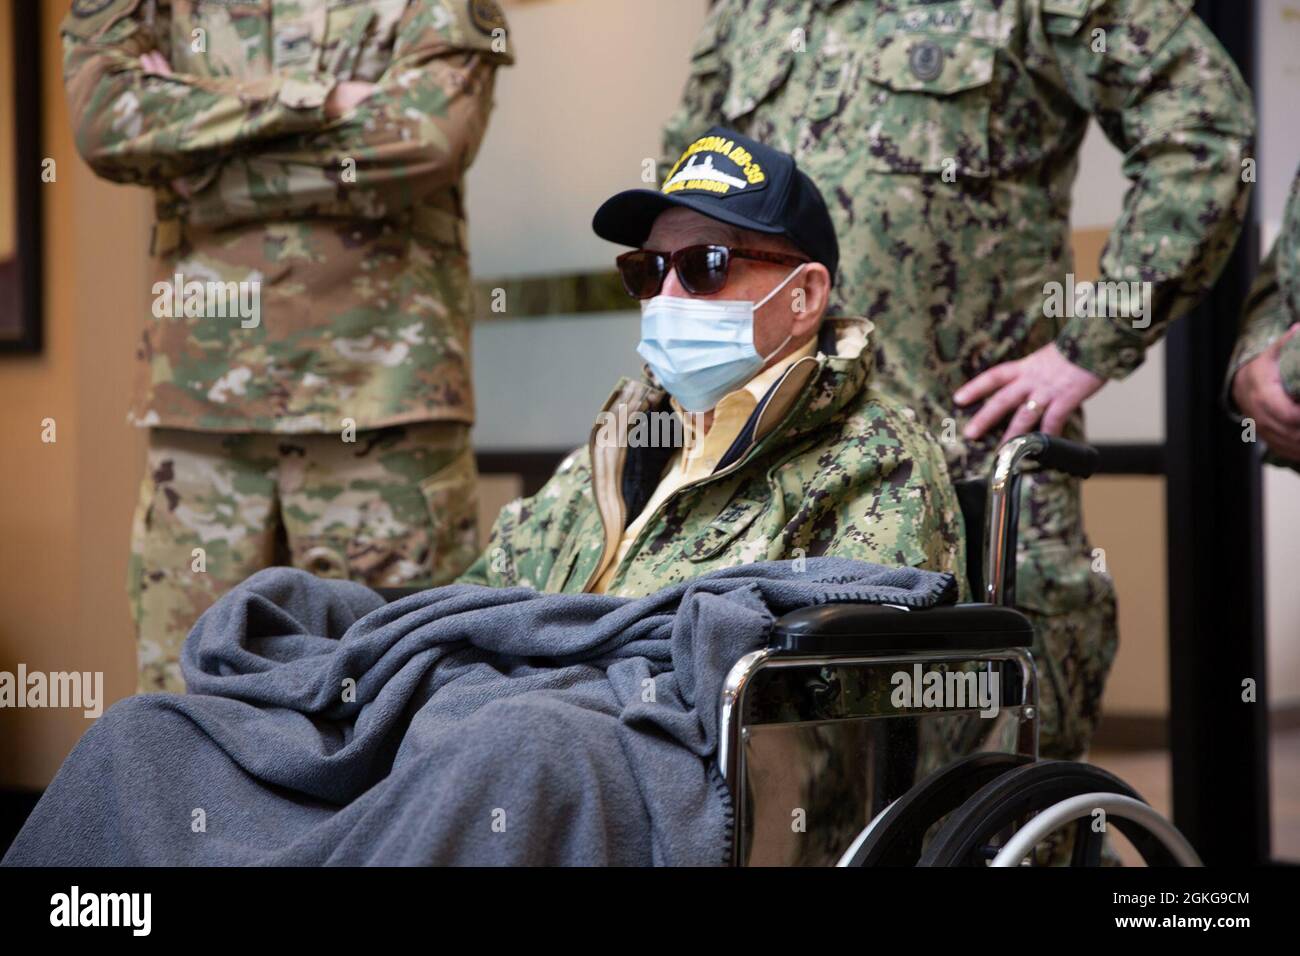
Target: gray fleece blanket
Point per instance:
(460, 725)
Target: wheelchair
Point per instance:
(828, 765)
(827, 768)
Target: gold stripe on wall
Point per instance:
(574, 293)
(580, 293)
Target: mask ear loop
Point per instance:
(768, 298)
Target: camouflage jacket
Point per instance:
(945, 137)
(1273, 306)
(825, 465)
(308, 271)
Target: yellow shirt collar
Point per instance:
(730, 415)
(699, 458)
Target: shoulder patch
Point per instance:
(464, 25)
(89, 18)
(486, 16)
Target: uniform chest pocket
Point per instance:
(211, 38)
(359, 38)
(922, 104)
(730, 525)
(577, 558)
(757, 71)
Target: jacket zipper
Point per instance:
(622, 505)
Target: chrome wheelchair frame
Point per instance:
(827, 767)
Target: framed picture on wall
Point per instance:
(20, 183)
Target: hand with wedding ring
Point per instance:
(1039, 392)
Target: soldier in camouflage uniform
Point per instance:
(818, 462)
(305, 374)
(1263, 380)
(945, 136)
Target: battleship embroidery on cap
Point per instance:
(717, 166)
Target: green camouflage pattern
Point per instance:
(945, 138)
(952, 273)
(1288, 363)
(397, 507)
(353, 229)
(844, 471)
(1272, 307)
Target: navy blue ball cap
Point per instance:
(736, 180)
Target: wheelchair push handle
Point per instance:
(1002, 511)
(1068, 457)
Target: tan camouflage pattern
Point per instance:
(354, 229)
(945, 138)
(844, 471)
(397, 507)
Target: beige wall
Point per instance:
(1125, 518)
(556, 111)
(65, 507)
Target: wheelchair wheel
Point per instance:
(895, 836)
(989, 825)
(1118, 809)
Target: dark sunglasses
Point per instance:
(702, 270)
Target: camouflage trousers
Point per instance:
(1063, 587)
(396, 507)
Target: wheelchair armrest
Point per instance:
(883, 628)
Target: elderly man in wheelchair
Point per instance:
(898, 732)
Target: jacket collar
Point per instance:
(811, 392)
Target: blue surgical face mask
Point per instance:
(703, 349)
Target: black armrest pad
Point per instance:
(880, 628)
(1070, 457)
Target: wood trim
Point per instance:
(534, 467)
(26, 275)
(564, 294)
(1132, 732)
